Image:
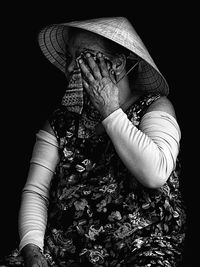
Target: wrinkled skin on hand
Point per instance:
(99, 84)
(33, 257)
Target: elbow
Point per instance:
(154, 180)
(156, 175)
(155, 183)
(149, 177)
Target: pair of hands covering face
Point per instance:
(99, 84)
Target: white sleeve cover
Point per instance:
(34, 202)
(150, 151)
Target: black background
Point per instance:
(32, 87)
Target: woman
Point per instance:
(103, 184)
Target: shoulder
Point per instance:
(47, 127)
(53, 119)
(162, 104)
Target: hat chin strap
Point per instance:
(126, 72)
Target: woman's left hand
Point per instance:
(98, 83)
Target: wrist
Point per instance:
(108, 110)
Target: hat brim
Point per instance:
(53, 40)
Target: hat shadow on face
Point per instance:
(53, 40)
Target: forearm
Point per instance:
(149, 153)
(32, 218)
(35, 194)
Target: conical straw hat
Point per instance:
(53, 39)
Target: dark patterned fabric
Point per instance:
(99, 215)
(73, 97)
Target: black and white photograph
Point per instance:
(95, 120)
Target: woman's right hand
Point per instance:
(33, 257)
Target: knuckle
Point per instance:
(96, 85)
(88, 74)
(95, 68)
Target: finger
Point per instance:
(86, 71)
(112, 76)
(86, 85)
(34, 263)
(88, 89)
(93, 65)
(103, 66)
(44, 262)
(40, 263)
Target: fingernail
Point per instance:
(87, 54)
(112, 71)
(80, 60)
(99, 54)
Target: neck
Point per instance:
(124, 106)
(127, 94)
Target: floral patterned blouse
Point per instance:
(99, 214)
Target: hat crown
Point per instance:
(119, 30)
(102, 23)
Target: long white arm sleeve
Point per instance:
(149, 152)
(33, 209)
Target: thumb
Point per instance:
(112, 76)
